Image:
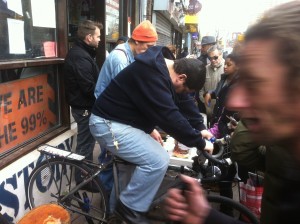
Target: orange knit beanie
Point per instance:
(145, 32)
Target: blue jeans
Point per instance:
(106, 176)
(85, 140)
(137, 147)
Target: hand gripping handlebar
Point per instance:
(218, 157)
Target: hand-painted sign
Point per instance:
(25, 110)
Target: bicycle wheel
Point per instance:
(235, 205)
(157, 212)
(53, 179)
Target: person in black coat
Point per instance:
(80, 77)
(184, 53)
(221, 123)
(220, 116)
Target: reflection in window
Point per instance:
(9, 75)
(19, 38)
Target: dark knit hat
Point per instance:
(145, 32)
(123, 38)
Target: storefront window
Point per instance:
(28, 105)
(33, 43)
(112, 19)
(28, 29)
(112, 23)
(79, 10)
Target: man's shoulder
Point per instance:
(119, 54)
(124, 48)
(202, 56)
(220, 70)
(76, 51)
(117, 51)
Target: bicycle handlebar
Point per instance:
(216, 158)
(221, 199)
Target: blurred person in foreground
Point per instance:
(152, 91)
(267, 97)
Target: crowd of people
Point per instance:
(142, 86)
(131, 103)
(265, 95)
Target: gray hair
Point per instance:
(215, 47)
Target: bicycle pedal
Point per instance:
(115, 220)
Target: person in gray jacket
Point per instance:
(214, 70)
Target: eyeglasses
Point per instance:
(213, 58)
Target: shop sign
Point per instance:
(191, 28)
(191, 19)
(25, 110)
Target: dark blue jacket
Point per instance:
(142, 95)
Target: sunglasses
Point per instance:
(213, 58)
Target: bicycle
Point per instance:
(53, 180)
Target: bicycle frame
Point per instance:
(99, 168)
(96, 168)
(58, 164)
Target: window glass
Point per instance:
(112, 19)
(112, 23)
(28, 29)
(28, 105)
(79, 10)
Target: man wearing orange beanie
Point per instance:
(143, 37)
(145, 32)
